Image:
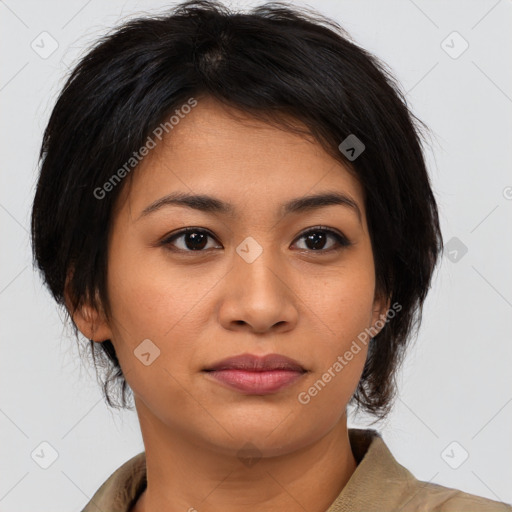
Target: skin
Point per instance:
(201, 307)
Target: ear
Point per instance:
(91, 322)
(381, 306)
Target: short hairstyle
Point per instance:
(275, 63)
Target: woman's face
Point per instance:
(245, 281)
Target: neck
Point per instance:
(184, 475)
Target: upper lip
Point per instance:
(257, 363)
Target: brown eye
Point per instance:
(317, 238)
(193, 239)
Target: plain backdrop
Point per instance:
(450, 58)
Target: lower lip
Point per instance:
(257, 383)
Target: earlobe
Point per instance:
(89, 321)
(381, 306)
(92, 323)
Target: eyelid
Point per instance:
(342, 240)
(166, 240)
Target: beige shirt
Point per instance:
(379, 484)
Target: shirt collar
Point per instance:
(377, 473)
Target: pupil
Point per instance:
(195, 241)
(318, 240)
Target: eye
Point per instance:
(193, 239)
(196, 239)
(315, 239)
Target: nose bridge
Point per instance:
(257, 294)
(255, 261)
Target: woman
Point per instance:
(235, 211)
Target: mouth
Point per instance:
(256, 375)
(255, 363)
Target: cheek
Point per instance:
(149, 295)
(343, 306)
(350, 309)
(153, 330)
(340, 355)
(342, 301)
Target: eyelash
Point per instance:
(342, 241)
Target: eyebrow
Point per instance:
(210, 204)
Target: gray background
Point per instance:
(456, 385)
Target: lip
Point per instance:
(256, 375)
(255, 363)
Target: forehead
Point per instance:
(256, 166)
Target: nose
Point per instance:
(258, 296)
